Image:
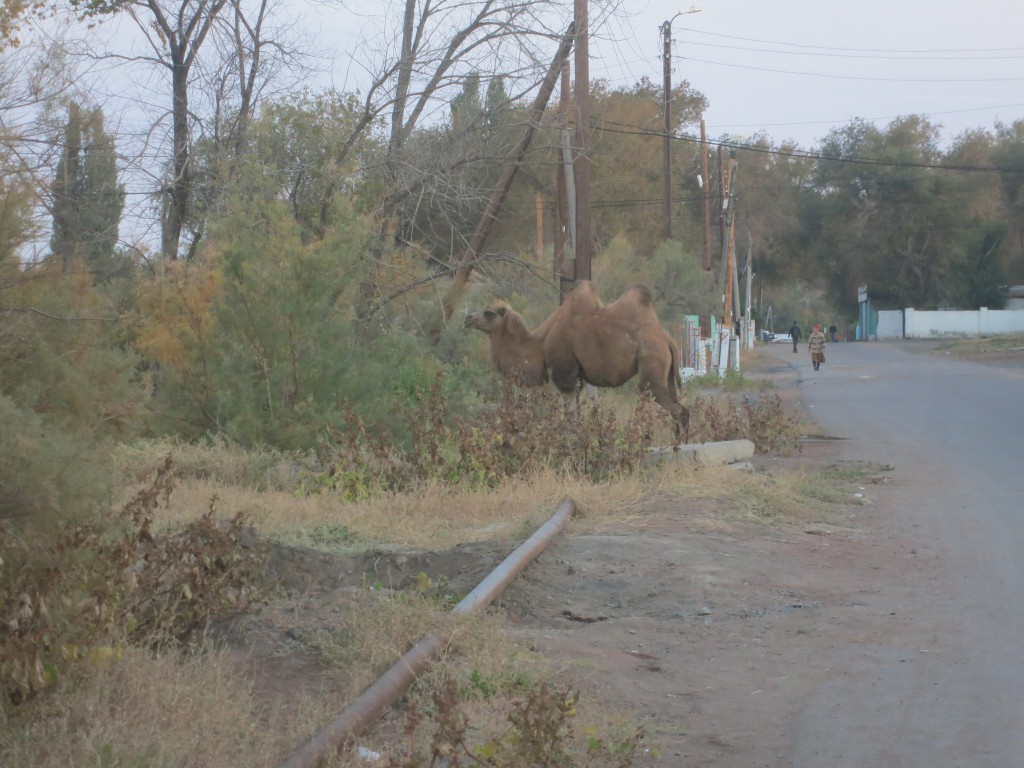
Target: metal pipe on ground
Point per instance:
(378, 697)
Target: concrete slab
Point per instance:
(725, 452)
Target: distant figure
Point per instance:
(816, 346)
(794, 333)
(833, 333)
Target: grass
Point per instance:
(140, 708)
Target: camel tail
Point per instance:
(674, 382)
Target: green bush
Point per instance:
(48, 475)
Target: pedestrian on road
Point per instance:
(794, 333)
(816, 346)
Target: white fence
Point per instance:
(912, 324)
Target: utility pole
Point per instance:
(748, 315)
(666, 106)
(563, 176)
(707, 195)
(539, 251)
(728, 249)
(584, 228)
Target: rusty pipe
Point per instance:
(372, 702)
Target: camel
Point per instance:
(586, 341)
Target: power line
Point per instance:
(895, 56)
(858, 77)
(852, 50)
(800, 153)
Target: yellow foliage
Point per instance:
(177, 313)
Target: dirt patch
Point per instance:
(709, 629)
(1004, 352)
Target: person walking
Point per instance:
(794, 333)
(816, 346)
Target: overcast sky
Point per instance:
(797, 68)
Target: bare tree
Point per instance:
(216, 47)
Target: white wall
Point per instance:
(912, 324)
(890, 324)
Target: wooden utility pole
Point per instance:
(728, 249)
(666, 107)
(565, 225)
(707, 195)
(584, 228)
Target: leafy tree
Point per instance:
(299, 149)
(888, 216)
(87, 198)
(255, 338)
(770, 195)
(1008, 156)
(628, 162)
(467, 109)
(682, 285)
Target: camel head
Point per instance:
(497, 318)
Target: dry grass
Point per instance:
(982, 345)
(142, 710)
(439, 517)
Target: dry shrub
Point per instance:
(764, 420)
(119, 582)
(527, 432)
(539, 731)
(215, 458)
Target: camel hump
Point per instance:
(642, 293)
(584, 296)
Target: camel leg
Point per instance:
(680, 413)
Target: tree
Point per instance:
(771, 189)
(176, 33)
(87, 198)
(1008, 156)
(628, 161)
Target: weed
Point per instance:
(732, 381)
(117, 582)
(539, 733)
(529, 431)
(763, 420)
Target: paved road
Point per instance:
(952, 693)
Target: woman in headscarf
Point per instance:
(816, 346)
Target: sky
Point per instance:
(792, 68)
(798, 68)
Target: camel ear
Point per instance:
(515, 324)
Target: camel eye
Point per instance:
(488, 314)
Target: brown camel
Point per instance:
(585, 341)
